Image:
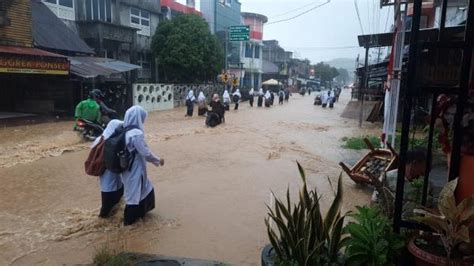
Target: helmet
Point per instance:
(95, 93)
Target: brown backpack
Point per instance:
(95, 163)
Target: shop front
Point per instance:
(33, 81)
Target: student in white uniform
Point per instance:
(190, 99)
(251, 95)
(260, 98)
(236, 96)
(202, 105)
(226, 99)
(139, 193)
(111, 185)
(268, 98)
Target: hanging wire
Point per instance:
(300, 14)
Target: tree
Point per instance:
(325, 72)
(343, 76)
(186, 50)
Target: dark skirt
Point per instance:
(213, 119)
(251, 101)
(202, 110)
(133, 212)
(190, 108)
(268, 102)
(109, 200)
(280, 100)
(260, 101)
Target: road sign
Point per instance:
(235, 82)
(225, 78)
(239, 33)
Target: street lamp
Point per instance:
(241, 74)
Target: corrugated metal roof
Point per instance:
(50, 32)
(91, 67)
(27, 51)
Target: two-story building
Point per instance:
(252, 50)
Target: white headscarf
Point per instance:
(201, 97)
(260, 92)
(135, 117)
(190, 95)
(226, 96)
(109, 130)
(268, 95)
(251, 92)
(237, 92)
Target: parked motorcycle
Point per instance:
(88, 129)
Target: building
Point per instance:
(33, 80)
(115, 29)
(221, 14)
(275, 57)
(171, 8)
(252, 50)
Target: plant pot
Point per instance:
(268, 256)
(465, 186)
(425, 258)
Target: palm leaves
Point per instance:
(303, 236)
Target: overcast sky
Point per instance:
(323, 33)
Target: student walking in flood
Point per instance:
(281, 96)
(202, 105)
(260, 98)
(111, 185)
(251, 96)
(139, 192)
(236, 98)
(268, 98)
(226, 99)
(190, 99)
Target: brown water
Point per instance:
(211, 194)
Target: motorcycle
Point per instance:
(88, 129)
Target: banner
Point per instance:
(28, 65)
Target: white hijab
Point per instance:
(226, 96)
(237, 92)
(109, 130)
(260, 92)
(201, 97)
(268, 95)
(134, 117)
(251, 92)
(190, 95)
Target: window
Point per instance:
(140, 19)
(99, 10)
(62, 8)
(248, 50)
(257, 51)
(228, 2)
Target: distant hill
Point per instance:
(347, 63)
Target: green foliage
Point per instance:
(325, 72)
(186, 50)
(357, 143)
(451, 221)
(371, 241)
(303, 236)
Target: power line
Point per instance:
(293, 10)
(358, 16)
(300, 14)
(323, 47)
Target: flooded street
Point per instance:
(210, 195)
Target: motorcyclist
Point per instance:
(89, 109)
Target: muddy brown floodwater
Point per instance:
(211, 194)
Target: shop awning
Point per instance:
(50, 32)
(32, 61)
(91, 67)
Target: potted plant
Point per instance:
(450, 222)
(301, 234)
(372, 241)
(445, 111)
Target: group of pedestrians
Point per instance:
(130, 180)
(268, 98)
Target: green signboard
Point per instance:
(239, 33)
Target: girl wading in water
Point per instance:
(139, 193)
(111, 185)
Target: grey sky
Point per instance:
(316, 34)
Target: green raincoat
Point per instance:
(88, 109)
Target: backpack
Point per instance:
(116, 155)
(95, 164)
